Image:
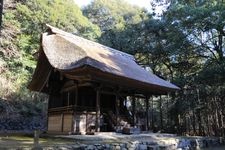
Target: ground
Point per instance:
(26, 141)
(19, 141)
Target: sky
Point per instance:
(141, 3)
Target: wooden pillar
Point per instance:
(36, 140)
(68, 98)
(117, 110)
(62, 122)
(147, 108)
(152, 114)
(97, 124)
(160, 111)
(75, 127)
(167, 110)
(134, 110)
(121, 103)
(76, 97)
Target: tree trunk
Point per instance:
(199, 123)
(222, 116)
(1, 13)
(193, 123)
(219, 46)
(209, 126)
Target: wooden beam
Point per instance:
(107, 92)
(120, 94)
(73, 86)
(60, 109)
(86, 84)
(140, 87)
(68, 89)
(140, 96)
(97, 125)
(78, 77)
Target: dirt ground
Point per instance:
(25, 141)
(13, 142)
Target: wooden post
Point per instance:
(152, 114)
(76, 97)
(147, 108)
(117, 110)
(86, 120)
(134, 110)
(68, 98)
(97, 125)
(160, 111)
(62, 122)
(74, 125)
(36, 139)
(167, 111)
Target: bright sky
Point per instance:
(141, 3)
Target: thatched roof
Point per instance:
(67, 52)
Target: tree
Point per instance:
(23, 25)
(1, 12)
(201, 24)
(113, 17)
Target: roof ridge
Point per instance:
(115, 51)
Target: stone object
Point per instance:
(142, 147)
(131, 130)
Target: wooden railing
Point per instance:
(120, 120)
(59, 109)
(72, 108)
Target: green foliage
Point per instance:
(34, 14)
(113, 17)
(21, 38)
(196, 31)
(113, 14)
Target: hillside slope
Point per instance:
(23, 23)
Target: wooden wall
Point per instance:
(55, 123)
(80, 122)
(67, 122)
(63, 119)
(84, 122)
(60, 122)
